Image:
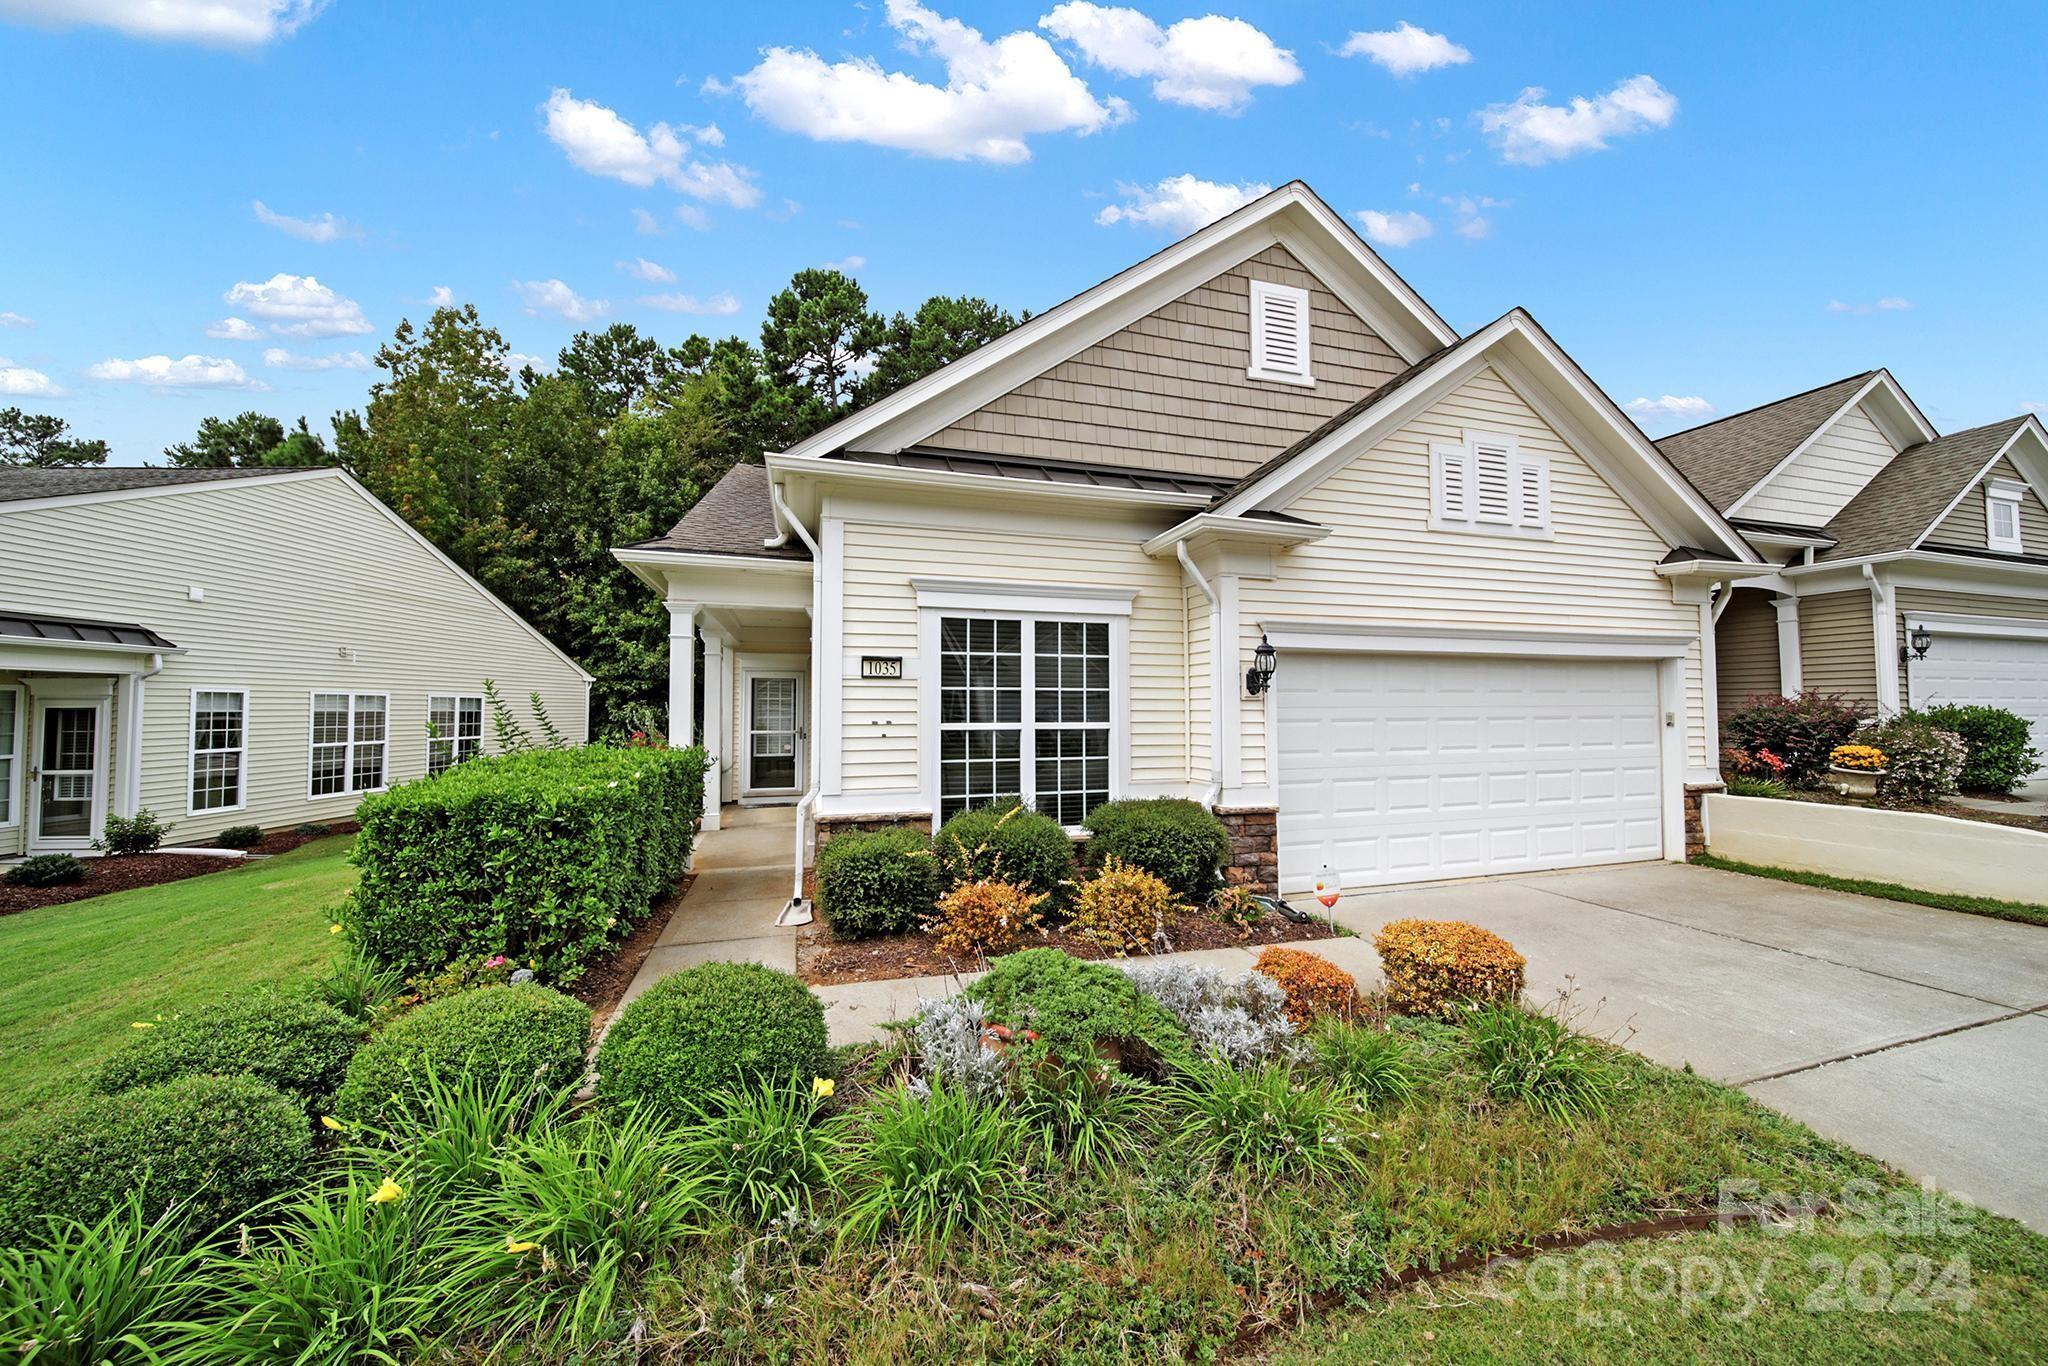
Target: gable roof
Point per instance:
(18, 483)
(735, 517)
(1729, 456)
(1909, 496)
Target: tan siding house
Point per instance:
(1747, 648)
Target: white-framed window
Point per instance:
(1489, 483)
(2002, 516)
(349, 735)
(1280, 333)
(1027, 708)
(455, 730)
(218, 751)
(12, 715)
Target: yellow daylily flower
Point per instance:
(387, 1192)
(143, 1024)
(822, 1087)
(334, 929)
(514, 1245)
(330, 1122)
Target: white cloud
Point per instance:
(692, 216)
(552, 296)
(1180, 204)
(234, 329)
(1394, 229)
(597, 140)
(640, 268)
(188, 372)
(1475, 227)
(278, 358)
(1889, 304)
(1405, 49)
(440, 296)
(222, 23)
(646, 224)
(997, 94)
(1672, 408)
(847, 265)
(22, 382)
(515, 361)
(300, 306)
(1207, 63)
(325, 228)
(718, 305)
(12, 319)
(1530, 132)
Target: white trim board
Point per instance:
(1958, 624)
(1037, 599)
(1439, 640)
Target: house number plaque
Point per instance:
(881, 666)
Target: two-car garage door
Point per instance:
(1402, 768)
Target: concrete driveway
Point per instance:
(1918, 1036)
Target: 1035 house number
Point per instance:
(881, 666)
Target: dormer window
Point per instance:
(1490, 483)
(1280, 333)
(2002, 516)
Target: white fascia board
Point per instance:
(1291, 216)
(1962, 624)
(166, 490)
(822, 470)
(1352, 637)
(1716, 570)
(1925, 569)
(723, 580)
(1211, 526)
(2037, 449)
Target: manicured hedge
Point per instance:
(299, 1045)
(522, 1031)
(879, 882)
(713, 1027)
(1178, 841)
(212, 1145)
(1005, 841)
(549, 856)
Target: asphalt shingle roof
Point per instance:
(17, 483)
(734, 518)
(1726, 458)
(1906, 497)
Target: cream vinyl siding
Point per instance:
(1201, 659)
(1965, 525)
(1825, 476)
(1746, 649)
(1383, 564)
(1910, 600)
(880, 747)
(294, 574)
(1170, 392)
(1836, 646)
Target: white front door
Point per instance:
(68, 776)
(774, 748)
(1988, 670)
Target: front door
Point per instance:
(775, 733)
(69, 779)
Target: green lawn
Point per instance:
(74, 978)
(2025, 912)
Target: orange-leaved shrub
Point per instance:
(1121, 907)
(984, 916)
(1433, 966)
(1315, 986)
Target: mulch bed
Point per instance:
(103, 875)
(823, 959)
(2019, 819)
(604, 981)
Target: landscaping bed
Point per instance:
(2018, 819)
(104, 875)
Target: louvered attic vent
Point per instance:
(1490, 483)
(1280, 333)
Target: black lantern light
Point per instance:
(1917, 644)
(1259, 676)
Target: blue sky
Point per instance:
(1749, 201)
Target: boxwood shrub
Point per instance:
(212, 1145)
(299, 1045)
(492, 1032)
(549, 856)
(879, 882)
(710, 1028)
(46, 870)
(1006, 840)
(1176, 840)
(2001, 748)
(240, 837)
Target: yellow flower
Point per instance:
(330, 1122)
(142, 1024)
(334, 929)
(821, 1087)
(514, 1245)
(387, 1192)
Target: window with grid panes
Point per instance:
(1052, 749)
(218, 719)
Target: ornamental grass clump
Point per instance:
(1085, 1114)
(1434, 966)
(1122, 908)
(1314, 986)
(1534, 1059)
(762, 1148)
(983, 917)
(91, 1289)
(1381, 1068)
(928, 1164)
(1265, 1121)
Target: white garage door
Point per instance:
(1995, 671)
(1401, 768)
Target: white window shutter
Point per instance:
(1280, 332)
(1453, 483)
(1532, 490)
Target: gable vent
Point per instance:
(1280, 333)
(1490, 482)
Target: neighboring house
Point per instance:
(1048, 569)
(1913, 566)
(236, 647)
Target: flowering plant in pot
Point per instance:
(1856, 769)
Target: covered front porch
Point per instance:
(740, 685)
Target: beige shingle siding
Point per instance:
(294, 574)
(1170, 392)
(1836, 653)
(1909, 600)
(1383, 564)
(1746, 649)
(1965, 525)
(1820, 482)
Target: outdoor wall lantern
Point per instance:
(1259, 676)
(1918, 643)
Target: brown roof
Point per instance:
(1905, 499)
(17, 483)
(1727, 457)
(78, 631)
(734, 518)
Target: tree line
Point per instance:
(527, 477)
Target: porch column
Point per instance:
(128, 756)
(1789, 677)
(717, 724)
(682, 665)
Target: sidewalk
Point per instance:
(743, 882)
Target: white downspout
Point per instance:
(1187, 564)
(787, 522)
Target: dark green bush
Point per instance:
(46, 870)
(312, 830)
(300, 1046)
(1005, 840)
(141, 833)
(1080, 1010)
(881, 882)
(708, 1029)
(240, 837)
(1178, 841)
(1800, 730)
(549, 856)
(523, 1031)
(2000, 744)
(214, 1145)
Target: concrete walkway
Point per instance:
(743, 882)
